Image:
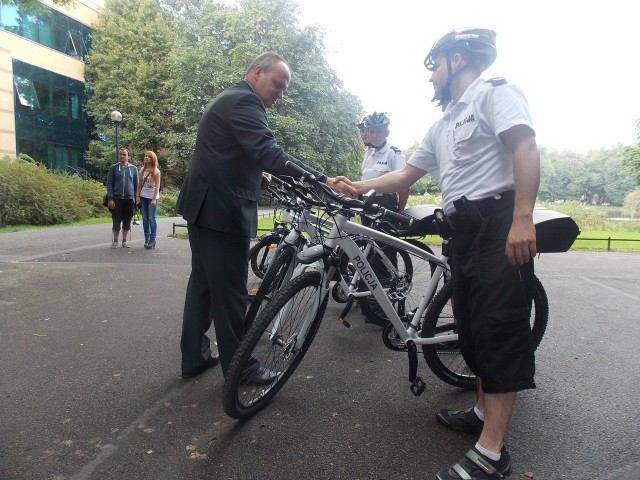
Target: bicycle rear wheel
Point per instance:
(444, 359)
(260, 257)
(277, 340)
(405, 293)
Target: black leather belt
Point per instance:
(488, 206)
(470, 213)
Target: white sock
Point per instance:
(478, 413)
(488, 453)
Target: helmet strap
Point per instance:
(444, 96)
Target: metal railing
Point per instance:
(260, 215)
(609, 240)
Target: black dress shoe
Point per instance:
(257, 375)
(210, 362)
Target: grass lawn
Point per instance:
(23, 228)
(265, 224)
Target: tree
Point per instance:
(595, 177)
(32, 5)
(128, 70)
(632, 204)
(214, 45)
(631, 157)
(426, 185)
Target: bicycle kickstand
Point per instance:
(417, 384)
(343, 316)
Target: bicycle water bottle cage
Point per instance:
(311, 254)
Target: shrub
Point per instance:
(31, 194)
(168, 202)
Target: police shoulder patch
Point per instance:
(395, 149)
(497, 81)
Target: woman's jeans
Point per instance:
(149, 224)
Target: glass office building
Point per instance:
(45, 53)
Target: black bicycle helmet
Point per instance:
(481, 42)
(376, 120)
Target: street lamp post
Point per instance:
(116, 117)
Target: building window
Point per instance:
(25, 93)
(10, 18)
(50, 123)
(47, 27)
(59, 101)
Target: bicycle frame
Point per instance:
(340, 237)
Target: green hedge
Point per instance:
(33, 195)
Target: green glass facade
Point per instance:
(50, 124)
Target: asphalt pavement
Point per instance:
(90, 385)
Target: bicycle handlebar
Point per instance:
(349, 202)
(396, 217)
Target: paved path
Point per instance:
(90, 387)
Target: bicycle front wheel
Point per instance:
(444, 359)
(277, 341)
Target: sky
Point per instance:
(576, 61)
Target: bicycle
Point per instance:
(284, 242)
(281, 335)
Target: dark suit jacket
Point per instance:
(233, 146)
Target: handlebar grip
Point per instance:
(396, 217)
(299, 170)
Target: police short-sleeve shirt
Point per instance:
(379, 162)
(463, 151)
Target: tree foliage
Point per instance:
(426, 185)
(33, 5)
(595, 177)
(128, 70)
(207, 48)
(632, 204)
(631, 157)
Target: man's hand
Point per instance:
(342, 185)
(266, 180)
(521, 242)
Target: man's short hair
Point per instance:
(267, 60)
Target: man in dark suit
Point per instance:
(219, 199)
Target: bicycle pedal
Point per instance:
(417, 386)
(395, 297)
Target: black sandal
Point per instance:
(474, 466)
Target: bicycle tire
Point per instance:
(260, 257)
(270, 284)
(411, 292)
(444, 359)
(275, 351)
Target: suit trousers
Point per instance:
(217, 290)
